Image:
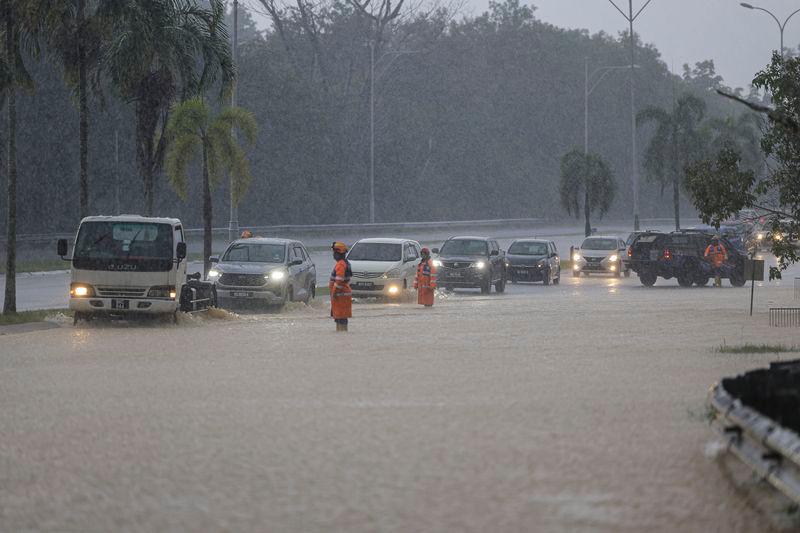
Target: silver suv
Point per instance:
(268, 271)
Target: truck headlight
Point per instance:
(480, 265)
(760, 236)
(164, 291)
(437, 263)
(213, 273)
(81, 290)
(576, 257)
(276, 275)
(393, 290)
(613, 258)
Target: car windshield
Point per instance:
(376, 251)
(246, 252)
(599, 244)
(528, 248)
(464, 247)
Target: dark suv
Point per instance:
(471, 262)
(680, 255)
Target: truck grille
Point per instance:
(454, 265)
(242, 280)
(121, 292)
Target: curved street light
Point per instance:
(781, 26)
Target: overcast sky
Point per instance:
(739, 40)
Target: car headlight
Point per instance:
(576, 257)
(213, 273)
(437, 263)
(394, 289)
(162, 291)
(613, 258)
(81, 290)
(760, 236)
(276, 275)
(480, 265)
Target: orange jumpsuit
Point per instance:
(425, 282)
(341, 294)
(716, 254)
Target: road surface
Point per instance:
(578, 407)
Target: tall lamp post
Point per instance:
(781, 26)
(631, 18)
(233, 224)
(587, 91)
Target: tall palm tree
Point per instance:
(676, 142)
(193, 132)
(163, 50)
(17, 29)
(587, 184)
(75, 32)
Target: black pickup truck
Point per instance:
(680, 255)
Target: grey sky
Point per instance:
(739, 40)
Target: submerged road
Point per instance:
(578, 407)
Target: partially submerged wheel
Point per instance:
(500, 286)
(737, 280)
(701, 281)
(685, 280)
(486, 286)
(546, 277)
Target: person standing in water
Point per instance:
(425, 282)
(341, 294)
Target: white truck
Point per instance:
(129, 264)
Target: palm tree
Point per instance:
(161, 51)
(17, 24)
(193, 131)
(587, 184)
(77, 38)
(676, 143)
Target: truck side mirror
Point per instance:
(494, 252)
(180, 251)
(435, 251)
(213, 259)
(62, 247)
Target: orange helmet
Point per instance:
(247, 234)
(339, 247)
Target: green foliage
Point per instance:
(587, 184)
(720, 188)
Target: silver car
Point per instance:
(600, 254)
(266, 271)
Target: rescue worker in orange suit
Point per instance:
(425, 282)
(716, 254)
(341, 294)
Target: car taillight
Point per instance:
(667, 254)
(630, 252)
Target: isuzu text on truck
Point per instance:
(128, 264)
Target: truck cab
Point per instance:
(125, 265)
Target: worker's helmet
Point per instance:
(247, 234)
(339, 247)
(425, 252)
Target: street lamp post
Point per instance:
(233, 224)
(631, 18)
(587, 91)
(781, 26)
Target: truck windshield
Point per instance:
(464, 247)
(125, 246)
(376, 251)
(246, 252)
(528, 248)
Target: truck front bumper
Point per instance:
(151, 306)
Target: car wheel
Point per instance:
(627, 272)
(289, 296)
(648, 279)
(701, 281)
(558, 277)
(500, 286)
(77, 317)
(618, 270)
(737, 280)
(685, 280)
(546, 277)
(486, 286)
(576, 273)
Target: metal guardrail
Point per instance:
(300, 230)
(784, 317)
(770, 450)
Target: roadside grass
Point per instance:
(23, 317)
(756, 348)
(38, 266)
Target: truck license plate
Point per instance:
(120, 304)
(363, 285)
(242, 294)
